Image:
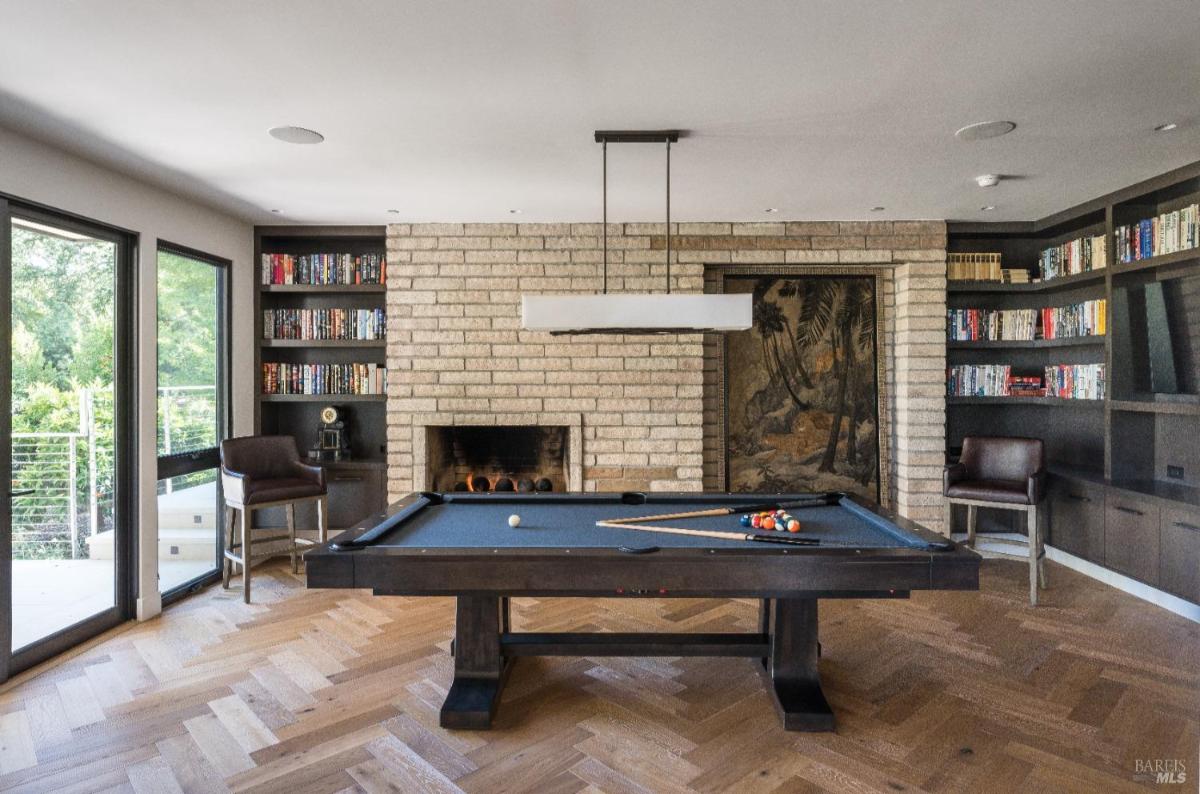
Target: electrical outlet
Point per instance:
(1175, 472)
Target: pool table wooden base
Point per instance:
(485, 650)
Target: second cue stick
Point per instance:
(712, 533)
(815, 501)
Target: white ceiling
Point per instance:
(461, 111)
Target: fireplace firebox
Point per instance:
(516, 458)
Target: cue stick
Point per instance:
(816, 501)
(712, 533)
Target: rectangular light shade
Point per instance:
(636, 313)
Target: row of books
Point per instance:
(360, 324)
(973, 325)
(1089, 318)
(1075, 381)
(973, 267)
(323, 269)
(282, 378)
(1077, 256)
(1165, 234)
(978, 380)
(1066, 381)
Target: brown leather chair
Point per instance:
(259, 472)
(1006, 474)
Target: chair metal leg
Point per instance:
(1031, 522)
(1041, 524)
(290, 510)
(972, 521)
(948, 527)
(322, 520)
(226, 563)
(245, 531)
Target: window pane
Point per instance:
(62, 422)
(188, 509)
(187, 354)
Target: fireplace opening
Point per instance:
(502, 459)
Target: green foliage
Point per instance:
(63, 323)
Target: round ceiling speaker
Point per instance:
(295, 135)
(984, 130)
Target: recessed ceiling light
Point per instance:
(295, 135)
(514, 212)
(984, 130)
(276, 211)
(988, 208)
(1170, 125)
(987, 180)
(771, 209)
(878, 209)
(393, 212)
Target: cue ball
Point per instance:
(514, 520)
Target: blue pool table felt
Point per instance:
(478, 525)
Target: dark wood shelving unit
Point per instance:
(1053, 285)
(1038, 402)
(305, 343)
(1124, 479)
(1026, 344)
(324, 289)
(357, 486)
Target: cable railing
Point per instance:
(65, 479)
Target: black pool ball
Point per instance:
(480, 484)
(525, 485)
(544, 484)
(503, 485)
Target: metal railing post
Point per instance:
(88, 402)
(73, 495)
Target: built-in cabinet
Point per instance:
(1125, 490)
(1145, 537)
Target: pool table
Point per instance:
(461, 544)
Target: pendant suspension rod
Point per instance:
(668, 216)
(604, 224)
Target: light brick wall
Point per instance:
(456, 351)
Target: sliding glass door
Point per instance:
(192, 414)
(67, 399)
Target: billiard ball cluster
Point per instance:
(771, 519)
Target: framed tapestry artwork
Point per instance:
(803, 389)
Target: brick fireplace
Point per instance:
(642, 408)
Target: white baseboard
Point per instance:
(1111, 578)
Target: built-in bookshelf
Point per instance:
(320, 331)
(1123, 273)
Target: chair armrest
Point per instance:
(233, 485)
(314, 474)
(1035, 488)
(955, 472)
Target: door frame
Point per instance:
(180, 464)
(125, 404)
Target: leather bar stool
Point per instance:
(258, 472)
(1007, 474)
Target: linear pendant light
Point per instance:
(636, 313)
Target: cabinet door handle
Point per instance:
(1129, 510)
(347, 479)
(1186, 525)
(1079, 498)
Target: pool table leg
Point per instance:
(792, 669)
(480, 669)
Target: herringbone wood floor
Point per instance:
(323, 691)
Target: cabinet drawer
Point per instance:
(1179, 564)
(1076, 518)
(1131, 542)
(354, 494)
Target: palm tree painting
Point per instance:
(801, 391)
